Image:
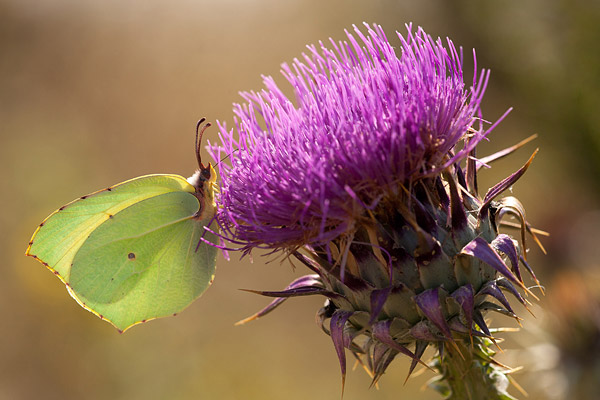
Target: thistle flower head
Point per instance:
(364, 123)
(368, 178)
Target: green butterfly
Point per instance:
(137, 250)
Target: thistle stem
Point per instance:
(467, 372)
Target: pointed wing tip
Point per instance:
(121, 327)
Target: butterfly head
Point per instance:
(203, 179)
(206, 174)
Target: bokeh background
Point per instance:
(96, 92)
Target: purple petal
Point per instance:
(379, 352)
(482, 250)
(505, 284)
(272, 305)
(420, 347)
(424, 218)
(491, 289)
(378, 298)
(478, 318)
(423, 331)
(381, 332)
(429, 303)
(460, 175)
(528, 268)
(504, 184)
(304, 280)
(340, 339)
(489, 306)
(295, 292)
(383, 355)
(506, 245)
(459, 217)
(457, 326)
(471, 174)
(464, 297)
(309, 263)
(441, 192)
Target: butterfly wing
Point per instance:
(130, 253)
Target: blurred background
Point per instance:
(96, 92)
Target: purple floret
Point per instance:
(363, 123)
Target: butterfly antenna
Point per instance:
(199, 133)
(225, 158)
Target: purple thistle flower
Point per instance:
(364, 123)
(360, 178)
